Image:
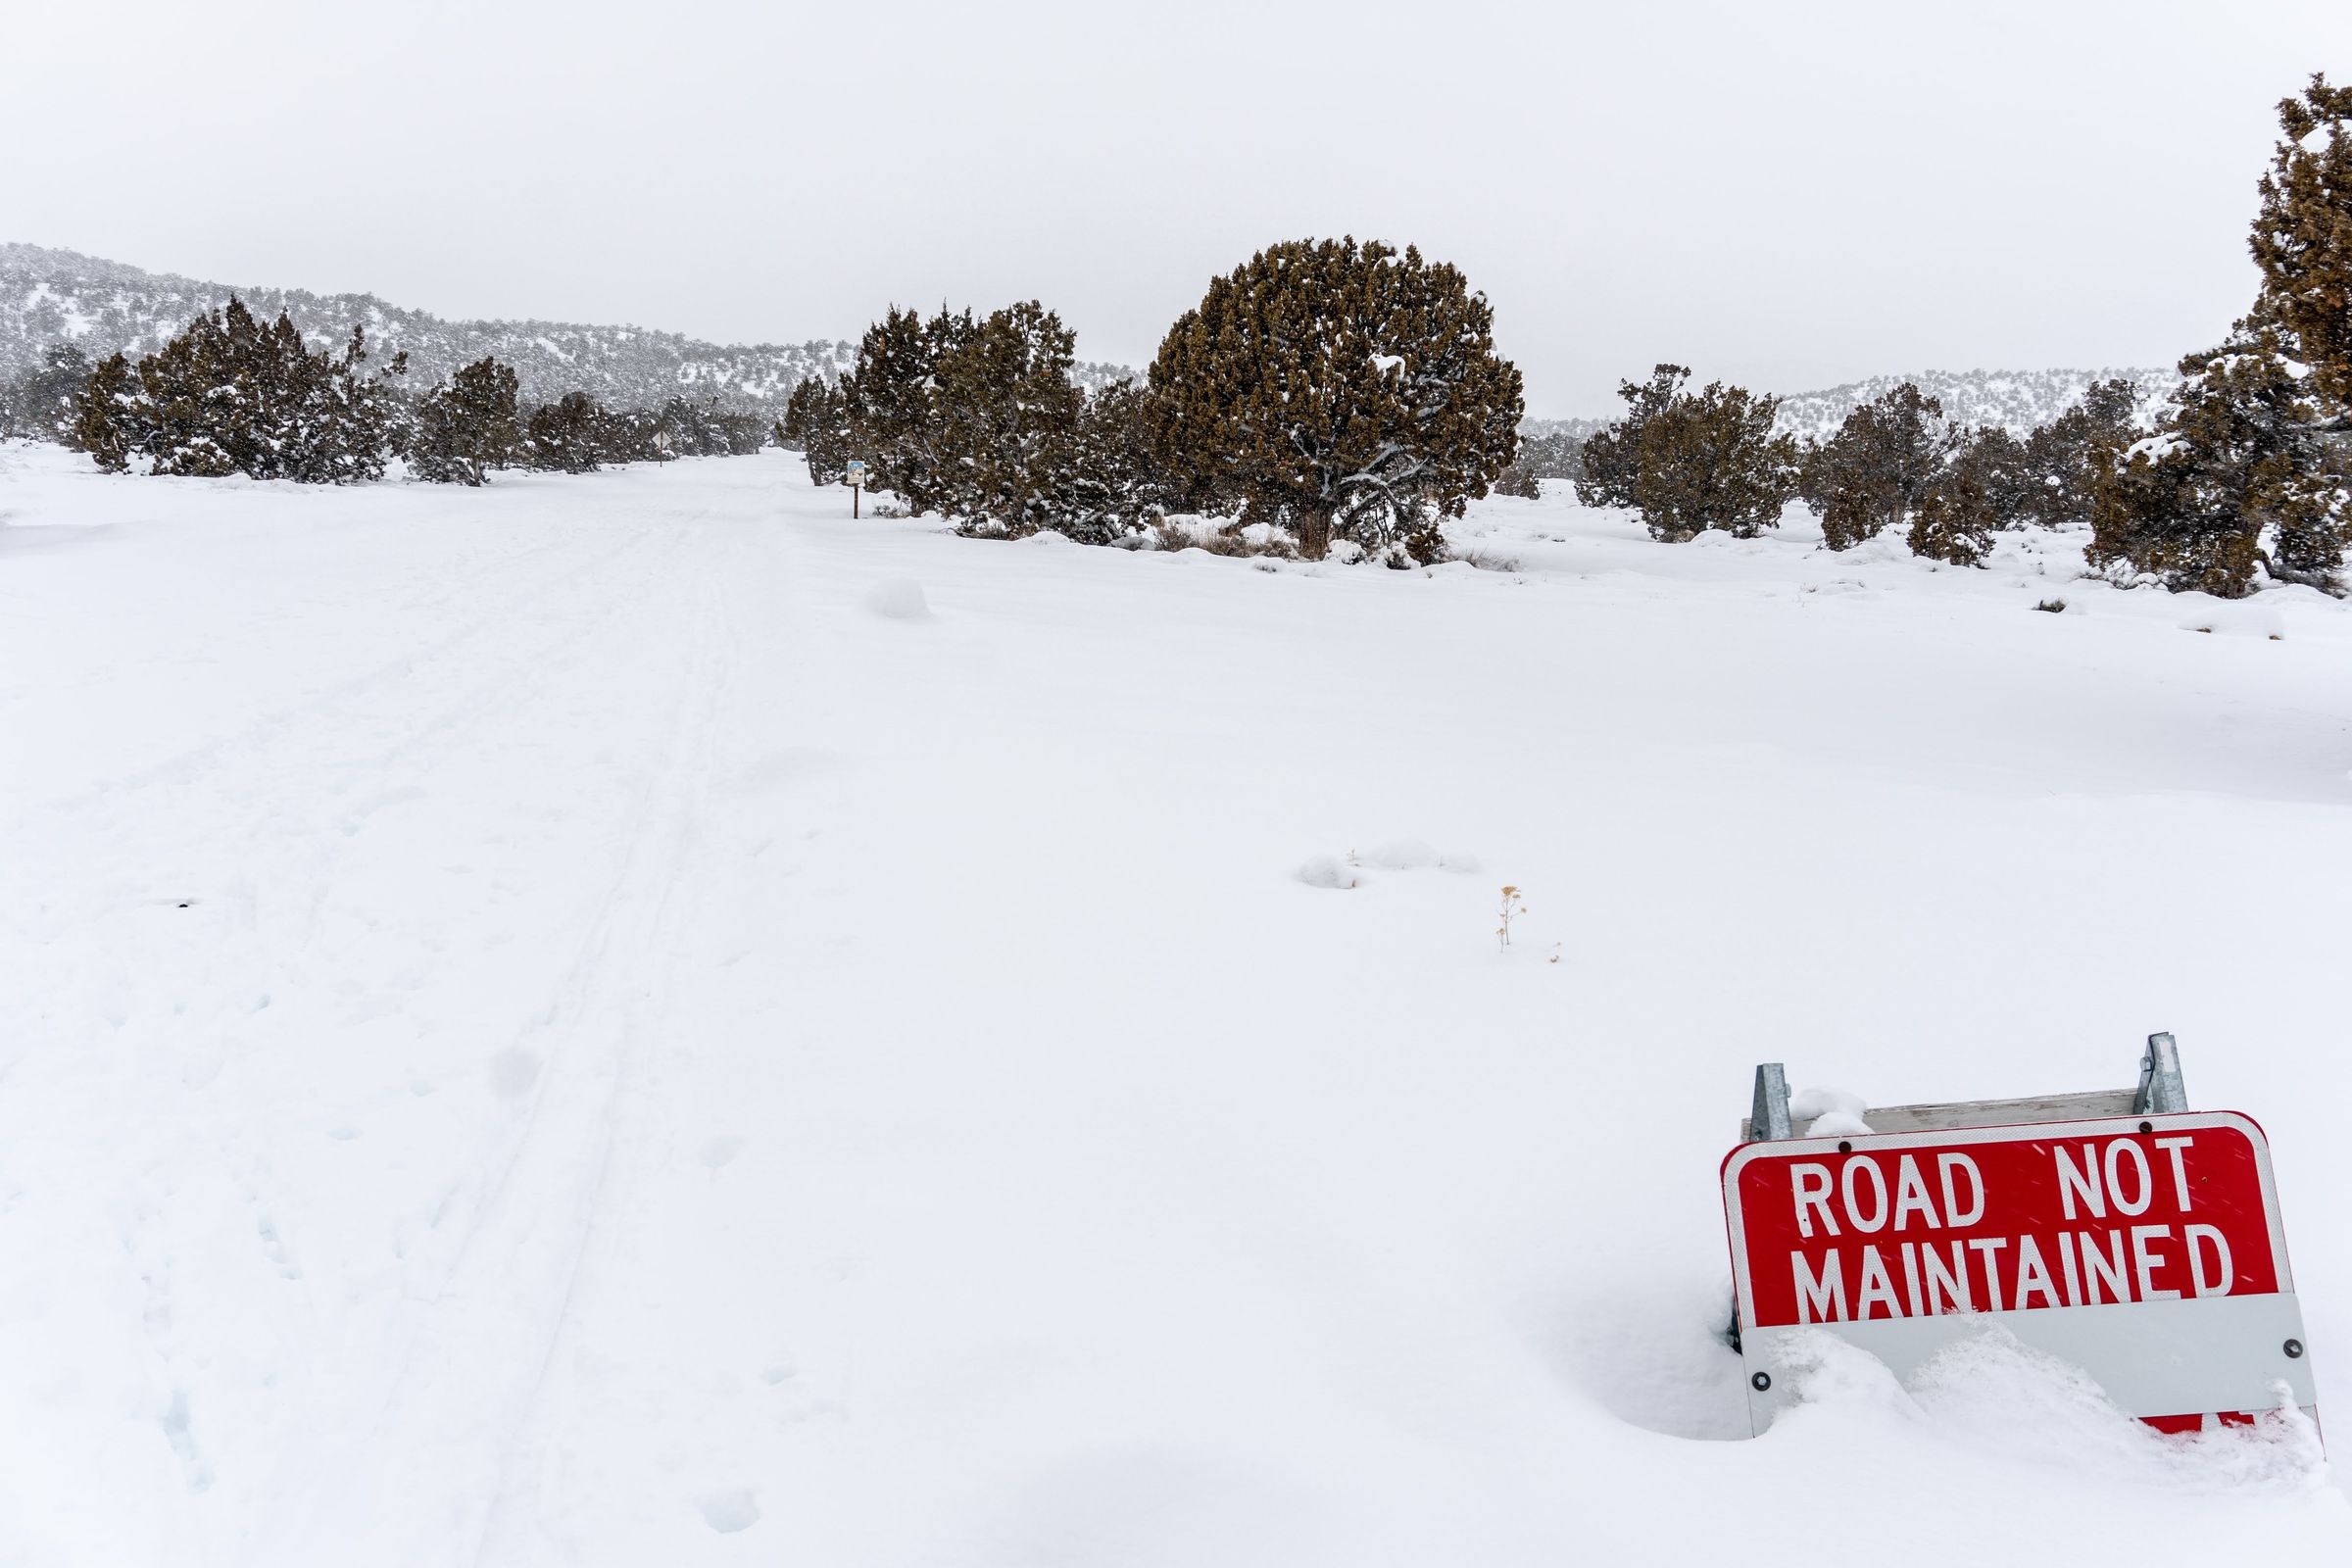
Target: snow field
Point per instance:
(631, 1018)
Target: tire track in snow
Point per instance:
(451, 690)
(444, 1436)
(184, 769)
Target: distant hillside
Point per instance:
(2017, 401)
(53, 296)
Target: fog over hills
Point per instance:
(58, 296)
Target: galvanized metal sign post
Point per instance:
(2120, 1232)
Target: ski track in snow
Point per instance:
(555, 1025)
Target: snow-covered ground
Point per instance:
(633, 1021)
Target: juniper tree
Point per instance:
(817, 422)
(686, 428)
(803, 410)
(1003, 416)
(1983, 490)
(1873, 473)
(1709, 459)
(889, 401)
(744, 433)
(468, 427)
(2239, 477)
(39, 404)
(2063, 461)
(2251, 469)
(1344, 390)
(628, 435)
(229, 395)
(2302, 237)
(1104, 484)
(1611, 458)
(110, 414)
(565, 436)
(345, 419)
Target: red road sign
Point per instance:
(2146, 1250)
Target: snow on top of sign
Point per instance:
(1837, 1124)
(1810, 1105)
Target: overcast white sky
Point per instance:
(1789, 195)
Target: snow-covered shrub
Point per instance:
(1610, 459)
(1873, 473)
(1342, 391)
(2241, 482)
(1709, 460)
(566, 436)
(466, 429)
(39, 405)
(229, 395)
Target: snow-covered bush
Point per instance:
(1343, 391)
(466, 429)
(229, 395)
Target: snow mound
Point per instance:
(1328, 871)
(2016, 1406)
(898, 599)
(1404, 855)
(730, 1511)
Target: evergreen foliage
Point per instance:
(1873, 472)
(39, 404)
(231, 396)
(1342, 390)
(816, 423)
(2064, 462)
(466, 429)
(1004, 418)
(2302, 237)
(1984, 489)
(107, 420)
(890, 402)
(685, 428)
(1104, 484)
(567, 436)
(1611, 460)
(2250, 472)
(2241, 478)
(1709, 459)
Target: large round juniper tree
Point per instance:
(2302, 237)
(1347, 390)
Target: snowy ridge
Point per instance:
(53, 296)
(2016, 401)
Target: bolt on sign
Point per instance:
(2146, 1250)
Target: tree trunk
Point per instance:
(1314, 534)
